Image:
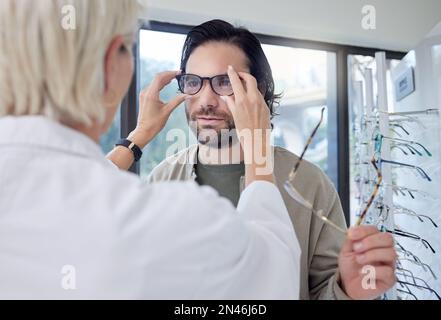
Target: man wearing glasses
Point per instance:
(224, 68)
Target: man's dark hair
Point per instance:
(221, 31)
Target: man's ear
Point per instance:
(115, 49)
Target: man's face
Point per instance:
(206, 108)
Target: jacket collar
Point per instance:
(192, 155)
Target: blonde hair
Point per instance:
(48, 69)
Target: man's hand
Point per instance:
(153, 113)
(248, 107)
(253, 125)
(367, 263)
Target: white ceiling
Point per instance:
(401, 24)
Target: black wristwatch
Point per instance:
(137, 153)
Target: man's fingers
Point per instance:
(160, 81)
(375, 241)
(230, 103)
(347, 247)
(359, 233)
(388, 256)
(252, 88)
(236, 83)
(356, 234)
(385, 272)
(386, 275)
(176, 101)
(250, 82)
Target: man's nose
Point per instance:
(207, 97)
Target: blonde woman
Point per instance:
(72, 226)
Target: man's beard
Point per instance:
(209, 135)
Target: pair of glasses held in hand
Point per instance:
(293, 192)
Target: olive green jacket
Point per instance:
(319, 243)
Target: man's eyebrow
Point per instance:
(207, 76)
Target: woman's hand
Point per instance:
(152, 117)
(153, 113)
(367, 263)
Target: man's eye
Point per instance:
(192, 84)
(224, 83)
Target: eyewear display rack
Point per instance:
(381, 186)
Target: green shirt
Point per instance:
(225, 179)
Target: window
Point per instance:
(357, 66)
(109, 140)
(302, 76)
(161, 51)
(436, 61)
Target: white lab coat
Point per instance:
(72, 226)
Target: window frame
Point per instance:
(339, 142)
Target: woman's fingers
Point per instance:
(356, 235)
(173, 104)
(361, 232)
(386, 275)
(347, 248)
(375, 241)
(376, 256)
(159, 82)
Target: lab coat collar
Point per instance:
(42, 132)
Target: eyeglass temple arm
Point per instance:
(400, 148)
(296, 167)
(410, 142)
(412, 236)
(415, 150)
(373, 194)
(401, 127)
(419, 169)
(421, 287)
(419, 216)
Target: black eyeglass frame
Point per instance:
(202, 79)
